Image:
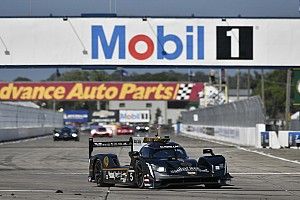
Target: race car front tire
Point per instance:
(139, 176)
(98, 174)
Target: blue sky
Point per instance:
(203, 8)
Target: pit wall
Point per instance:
(235, 135)
(10, 134)
(245, 136)
(19, 122)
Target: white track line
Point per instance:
(27, 190)
(234, 173)
(266, 173)
(25, 140)
(268, 155)
(244, 149)
(54, 173)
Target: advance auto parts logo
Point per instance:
(99, 91)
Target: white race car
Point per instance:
(102, 132)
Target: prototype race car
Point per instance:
(102, 132)
(66, 133)
(125, 130)
(142, 128)
(156, 163)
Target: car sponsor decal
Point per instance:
(187, 169)
(105, 162)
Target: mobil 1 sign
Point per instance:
(166, 42)
(235, 42)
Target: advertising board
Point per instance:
(134, 116)
(76, 116)
(265, 139)
(294, 139)
(103, 42)
(72, 91)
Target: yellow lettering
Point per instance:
(59, 92)
(5, 92)
(49, 92)
(139, 93)
(17, 92)
(76, 92)
(111, 93)
(149, 91)
(38, 92)
(26, 95)
(127, 88)
(100, 92)
(168, 93)
(158, 91)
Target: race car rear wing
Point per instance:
(136, 143)
(93, 144)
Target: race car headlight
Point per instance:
(74, 135)
(56, 134)
(161, 169)
(218, 167)
(158, 168)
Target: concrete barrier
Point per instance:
(289, 139)
(245, 136)
(10, 134)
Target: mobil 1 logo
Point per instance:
(234, 42)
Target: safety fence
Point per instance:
(15, 116)
(246, 113)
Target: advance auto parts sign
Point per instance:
(28, 91)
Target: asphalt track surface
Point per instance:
(41, 169)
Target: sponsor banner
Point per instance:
(103, 42)
(79, 116)
(72, 91)
(265, 139)
(294, 139)
(134, 116)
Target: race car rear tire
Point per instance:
(139, 176)
(213, 186)
(98, 174)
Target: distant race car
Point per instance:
(101, 132)
(156, 163)
(142, 127)
(125, 130)
(66, 133)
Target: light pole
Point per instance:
(30, 8)
(288, 98)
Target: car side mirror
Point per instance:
(208, 151)
(134, 154)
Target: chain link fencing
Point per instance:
(14, 116)
(245, 113)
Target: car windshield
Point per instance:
(66, 130)
(163, 153)
(101, 129)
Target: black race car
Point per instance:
(66, 133)
(156, 163)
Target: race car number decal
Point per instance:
(106, 161)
